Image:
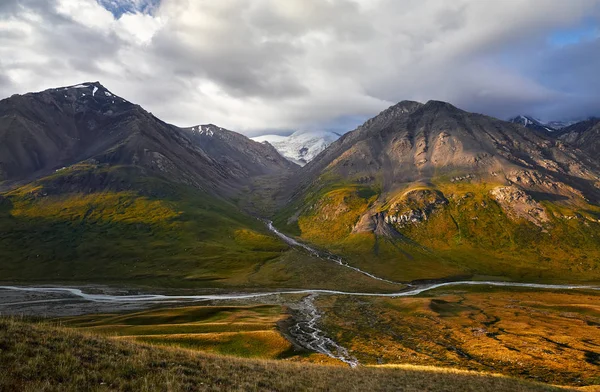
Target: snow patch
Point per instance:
(203, 130)
(94, 92)
(300, 147)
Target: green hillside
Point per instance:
(466, 232)
(115, 224)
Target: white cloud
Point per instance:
(253, 65)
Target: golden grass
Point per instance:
(121, 207)
(544, 336)
(39, 357)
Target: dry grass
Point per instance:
(39, 357)
(551, 337)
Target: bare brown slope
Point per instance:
(412, 142)
(584, 135)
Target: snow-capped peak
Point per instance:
(532, 122)
(300, 147)
(549, 126)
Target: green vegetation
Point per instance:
(243, 331)
(153, 232)
(126, 228)
(466, 234)
(37, 357)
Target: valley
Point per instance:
(429, 236)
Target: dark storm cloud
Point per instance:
(271, 65)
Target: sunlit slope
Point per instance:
(243, 331)
(41, 357)
(444, 229)
(428, 191)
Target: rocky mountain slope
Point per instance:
(429, 190)
(584, 135)
(300, 147)
(44, 132)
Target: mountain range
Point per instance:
(95, 188)
(537, 124)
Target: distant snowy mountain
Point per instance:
(534, 123)
(302, 146)
(562, 124)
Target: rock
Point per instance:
(415, 207)
(518, 204)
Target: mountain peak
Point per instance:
(206, 130)
(440, 105)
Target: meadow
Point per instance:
(42, 357)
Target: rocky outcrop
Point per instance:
(519, 205)
(414, 207)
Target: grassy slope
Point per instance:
(116, 225)
(40, 357)
(471, 235)
(244, 331)
(545, 336)
(154, 232)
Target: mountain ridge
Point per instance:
(381, 194)
(420, 191)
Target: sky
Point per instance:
(273, 66)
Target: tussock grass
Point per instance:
(40, 357)
(548, 336)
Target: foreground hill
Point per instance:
(42, 357)
(431, 191)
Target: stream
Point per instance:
(305, 331)
(323, 255)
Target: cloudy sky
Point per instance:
(263, 66)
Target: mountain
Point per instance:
(431, 191)
(560, 124)
(95, 188)
(538, 125)
(584, 135)
(43, 132)
(300, 147)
